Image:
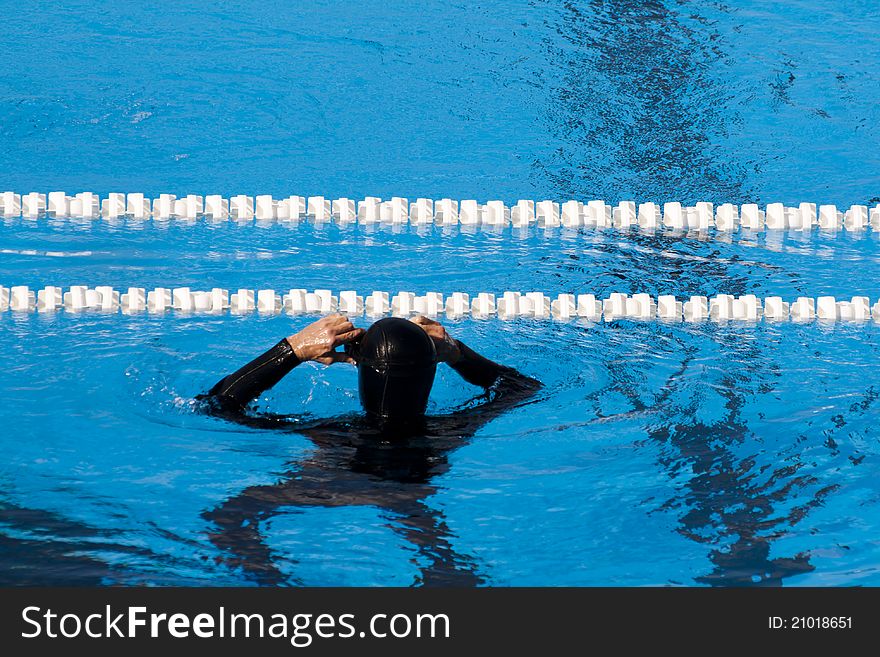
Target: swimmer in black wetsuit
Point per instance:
(384, 458)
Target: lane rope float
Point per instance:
(726, 217)
(484, 305)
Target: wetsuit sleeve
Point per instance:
(505, 388)
(476, 369)
(480, 371)
(246, 384)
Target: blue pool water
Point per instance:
(702, 454)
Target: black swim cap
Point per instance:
(396, 366)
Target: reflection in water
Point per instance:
(57, 551)
(638, 101)
(735, 505)
(357, 463)
(637, 112)
(638, 267)
(726, 500)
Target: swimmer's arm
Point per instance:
(474, 368)
(480, 371)
(504, 388)
(247, 383)
(317, 342)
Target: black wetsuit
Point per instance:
(358, 461)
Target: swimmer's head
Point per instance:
(396, 363)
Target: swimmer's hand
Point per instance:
(318, 341)
(448, 350)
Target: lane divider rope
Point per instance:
(484, 305)
(373, 210)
